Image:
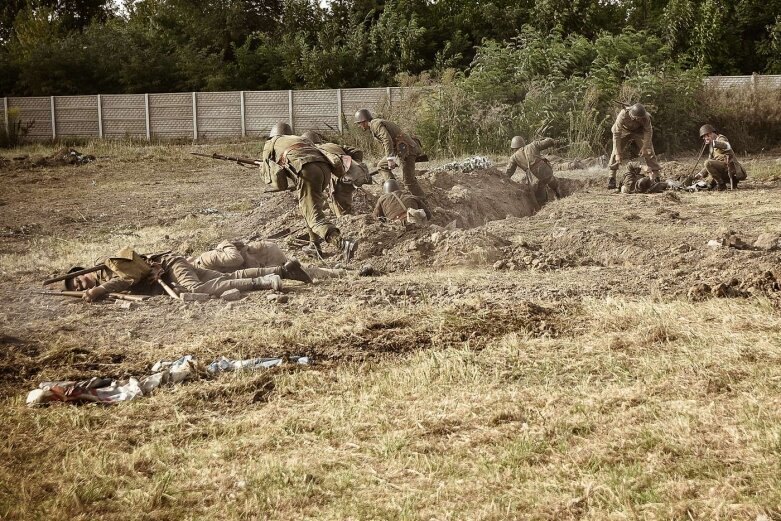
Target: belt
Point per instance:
(283, 159)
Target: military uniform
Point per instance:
(397, 143)
(529, 159)
(626, 130)
(721, 163)
(634, 182)
(313, 177)
(354, 172)
(127, 270)
(265, 255)
(393, 206)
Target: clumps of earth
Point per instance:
(762, 284)
(63, 156)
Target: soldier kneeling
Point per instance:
(634, 182)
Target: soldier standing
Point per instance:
(528, 158)
(356, 172)
(399, 146)
(721, 165)
(312, 172)
(633, 124)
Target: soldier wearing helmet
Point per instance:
(633, 125)
(287, 157)
(530, 160)
(721, 166)
(396, 204)
(349, 161)
(399, 146)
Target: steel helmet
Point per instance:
(391, 185)
(281, 129)
(637, 111)
(706, 129)
(517, 142)
(363, 115)
(314, 137)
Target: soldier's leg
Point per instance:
(544, 173)
(225, 257)
(410, 180)
(649, 156)
(718, 172)
(614, 163)
(343, 197)
(216, 283)
(313, 181)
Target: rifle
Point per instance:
(80, 294)
(239, 160)
(622, 104)
(74, 274)
(702, 151)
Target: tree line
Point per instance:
(60, 47)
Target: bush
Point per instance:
(14, 135)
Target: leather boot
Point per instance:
(273, 282)
(292, 270)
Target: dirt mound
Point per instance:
(762, 284)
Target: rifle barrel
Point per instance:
(241, 160)
(74, 274)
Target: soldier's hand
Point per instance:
(392, 163)
(93, 294)
(618, 158)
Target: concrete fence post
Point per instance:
(388, 91)
(5, 114)
(243, 115)
(146, 112)
(290, 108)
(100, 117)
(339, 109)
(54, 120)
(195, 116)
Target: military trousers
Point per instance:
(342, 203)
(623, 142)
(313, 181)
(199, 280)
(545, 179)
(719, 172)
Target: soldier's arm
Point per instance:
(268, 149)
(721, 143)
(116, 283)
(542, 144)
(383, 136)
(622, 115)
(355, 153)
(511, 166)
(648, 132)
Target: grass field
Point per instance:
(593, 389)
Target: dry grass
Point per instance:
(588, 392)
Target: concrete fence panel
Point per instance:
(263, 109)
(375, 100)
(315, 110)
(219, 114)
(35, 111)
(171, 115)
(124, 115)
(76, 116)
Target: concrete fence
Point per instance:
(193, 115)
(209, 115)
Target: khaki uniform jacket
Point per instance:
(625, 126)
(527, 156)
(394, 205)
(721, 150)
(292, 151)
(394, 140)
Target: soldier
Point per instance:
(633, 124)
(394, 204)
(356, 173)
(634, 182)
(313, 176)
(399, 146)
(127, 270)
(234, 255)
(529, 159)
(721, 165)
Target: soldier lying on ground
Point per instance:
(356, 172)
(528, 158)
(234, 255)
(395, 204)
(399, 146)
(311, 171)
(635, 182)
(721, 167)
(633, 124)
(129, 271)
